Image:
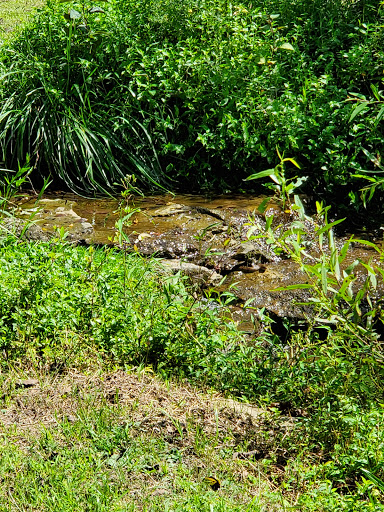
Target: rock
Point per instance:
(215, 213)
(175, 209)
(260, 288)
(201, 275)
(257, 251)
(246, 251)
(171, 244)
(170, 209)
(61, 211)
(27, 383)
(80, 232)
(24, 229)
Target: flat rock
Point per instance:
(203, 275)
(170, 209)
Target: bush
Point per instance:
(193, 94)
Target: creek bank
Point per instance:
(204, 239)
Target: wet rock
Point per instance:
(253, 252)
(175, 209)
(68, 214)
(24, 229)
(169, 245)
(170, 209)
(253, 267)
(234, 256)
(198, 274)
(81, 232)
(46, 223)
(215, 213)
(260, 289)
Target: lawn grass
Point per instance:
(14, 13)
(127, 441)
(98, 430)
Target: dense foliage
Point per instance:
(197, 94)
(71, 307)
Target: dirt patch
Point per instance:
(154, 407)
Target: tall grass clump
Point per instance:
(56, 106)
(197, 94)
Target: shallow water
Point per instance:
(208, 232)
(102, 214)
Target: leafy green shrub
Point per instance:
(56, 300)
(194, 93)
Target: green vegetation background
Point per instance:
(197, 95)
(14, 13)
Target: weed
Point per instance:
(284, 187)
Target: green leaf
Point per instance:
(324, 280)
(287, 46)
(368, 244)
(375, 92)
(344, 250)
(263, 205)
(292, 162)
(268, 222)
(358, 109)
(357, 95)
(379, 483)
(352, 267)
(72, 14)
(261, 174)
(276, 178)
(346, 285)
(327, 227)
(96, 9)
(379, 116)
(371, 275)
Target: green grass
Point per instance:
(116, 452)
(15, 13)
(125, 441)
(101, 432)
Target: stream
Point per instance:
(204, 238)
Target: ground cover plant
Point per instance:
(197, 94)
(95, 310)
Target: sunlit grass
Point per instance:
(104, 443)
(14, 13)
